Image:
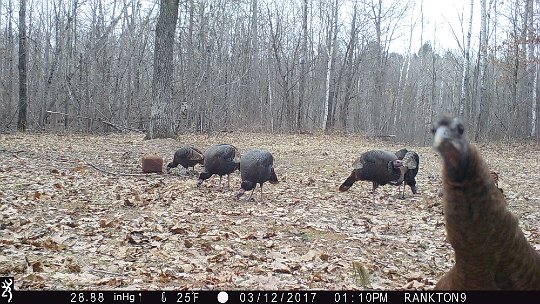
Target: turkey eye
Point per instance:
(460, 129)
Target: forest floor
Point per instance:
(66, 225)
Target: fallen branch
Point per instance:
(117, 127)
(12, 152)
(117, 173)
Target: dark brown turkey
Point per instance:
(379, 167)
(256, 167)
(491, 251)
(186, 156)
(221, 159)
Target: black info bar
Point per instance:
(240, 297)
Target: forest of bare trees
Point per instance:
(265, 65)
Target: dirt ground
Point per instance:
(67, 225)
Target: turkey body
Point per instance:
(186, 156)
(256, 167)
(491, 251)
(221, 159)
(379, 167)
(411, 164)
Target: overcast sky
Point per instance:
(440, 16)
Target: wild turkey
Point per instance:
(379, 167)
(256, 166)
(409, 170)
(491, 251)
(219, 159)
(186, 156)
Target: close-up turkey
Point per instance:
(186, 156)
(379, 167)
(256, 167)
(491, 251)
(221, 159)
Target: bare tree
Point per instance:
(303, 66)
(332, 38)
(402, 83)
(466, 63)
(481, 100)
(350, 67)
(533, 64)
(161, 116)
(23, 89)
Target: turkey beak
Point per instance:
(441, 135)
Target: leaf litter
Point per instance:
(77, 214)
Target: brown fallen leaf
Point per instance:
(280, 267)
(37, 267)
(80, 168)
(178, 230)
(103, 223)
(137, 237)
(50, 244)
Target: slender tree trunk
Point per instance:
(349, 65)
(481, 104)
(418, 104)
(402, 85)
(513, 105)
(303, 68)
(328, 101)
(11, 58)
(376, 103)
(23, 89)
(254, 92)
(161, 115)
(270, 93)
(466, 60)
(533, 65)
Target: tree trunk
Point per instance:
(349, 65)
(23, 89)
(403, 84)
(481, 105)
(161, 116)
(378, 75)
(303, 68)
(328, 101)
(533, 65)
(465, 74)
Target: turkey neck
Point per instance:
(484, 234)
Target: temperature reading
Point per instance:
(187, 297)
